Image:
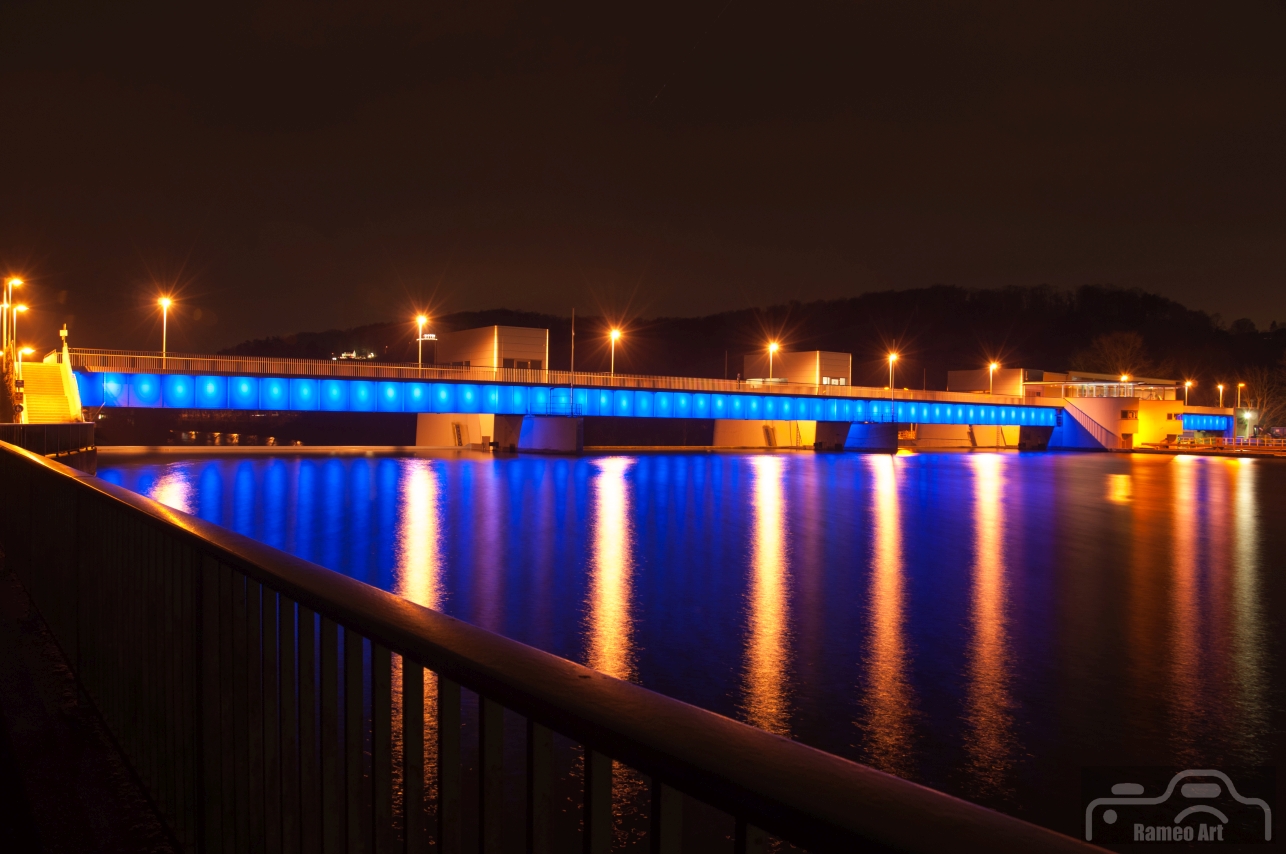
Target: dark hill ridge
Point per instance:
(933, 329)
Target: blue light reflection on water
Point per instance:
(986, 624)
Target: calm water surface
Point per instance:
(986, 624)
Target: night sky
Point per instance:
(284, 166)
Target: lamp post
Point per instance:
(615, 335)
(893, 357)
(1187, 385)
(773, 347)
(991, 377)
(1240, 386)
(420, 320)
(9, 285)
(1220, 395)
(164, 303)
(13, 335)
(25, 351)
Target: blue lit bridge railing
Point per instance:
(269, 704)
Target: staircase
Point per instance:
(45, 399)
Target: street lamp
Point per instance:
(991, 377)
(893, 357)
(1220, 395)
(773, 347)
(1240, 386)
(420, 320)
(615, 335)
(164, 303)
(25, 351)
(1187, 385)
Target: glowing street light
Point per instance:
(615, 335)
(25, 351)
(1240, 386)
(773, 347)
(991, 377)
(1125, 378)
(420, 320)
(1187, 385)
(164, 303)
(1220, 387)
(893, 357)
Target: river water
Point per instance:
(987, 624)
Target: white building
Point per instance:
(494, 347)
(812, 367)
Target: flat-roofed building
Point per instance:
(813, 367)
(495, 347)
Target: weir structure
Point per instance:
(260, 697)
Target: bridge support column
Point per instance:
(872, 438)
(831, 435)
(552, 434)
(1034, 438)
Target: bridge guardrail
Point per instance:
(189, 363)
(244, 685)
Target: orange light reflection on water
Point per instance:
(989, 739)
(888, 701)
(767, 644)
(610, 631)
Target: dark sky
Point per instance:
(289, 166)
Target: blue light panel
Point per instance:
(305, 394)
(211, 392)
(178, 391)
(145, 390)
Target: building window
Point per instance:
(826, 380)
(1129, 415)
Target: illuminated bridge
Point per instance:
(198, 382)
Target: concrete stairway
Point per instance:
(45, 398)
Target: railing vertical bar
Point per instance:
(290, 840)
(449, 819)
(147, 666)
(208, 704)
(491, 775)
(254, 710)
(310, 778)
(271, 727)
(241, 702)
(185, 666)
(228, 706)
(540, 758)
(597, 838)
(173, 652)
(413, 825)
(665, 824)
(333, 803)
(354, 743)
(381, 748)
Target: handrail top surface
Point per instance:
(818, 799)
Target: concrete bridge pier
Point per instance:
(551, 434)
(872, 438)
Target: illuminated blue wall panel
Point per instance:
(1205, 423)
(243, 393)
(444, 397)
(643, 404)
(583, 399)
(90, 387)
(334, 395)
(178, 391)
(623, 403)
(418, 397)
(304, 395)
(489, 399)
(468, 398)
(682, 404)
(390, 396)
(274, 393)
(116, 389)
(144, 390)
(664, 404)
(211, 393)
(361, 396)
(718, 406)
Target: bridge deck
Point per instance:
(185, 381)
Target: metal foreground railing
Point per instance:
(138, 361)
(260, 698)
